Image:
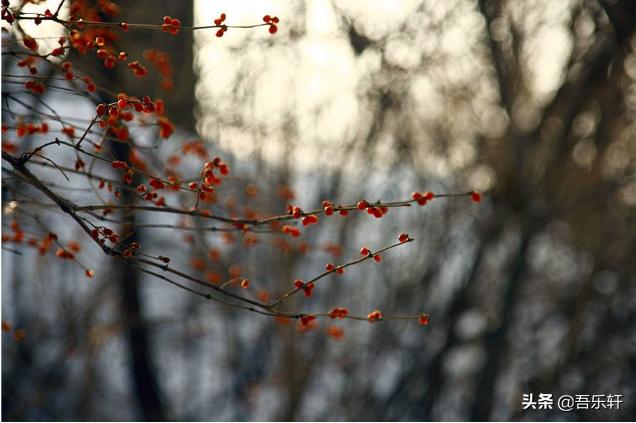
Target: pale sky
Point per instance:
(308, 73)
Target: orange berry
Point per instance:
(336, 333)
(338, 313)
(374, 316)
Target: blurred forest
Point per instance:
(532, 291)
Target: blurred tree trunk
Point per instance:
(144, 381)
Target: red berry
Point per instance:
(377, 258)
(328, 210)
(128, 177)
(423, 319)
(330, 267)
(30, 43)
(416, 195)
(475, 196)
(308, 288)
(365, 251)
(273, 29)
(306, 319)
(156, 184)
(298, 283)
(377, 213)
(403, 237)
(310, 220)
(362, 204)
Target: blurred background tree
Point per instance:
(533, 291)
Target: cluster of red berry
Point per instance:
(338, 313)
(171, 25)
(306, 287)
(272, 21)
